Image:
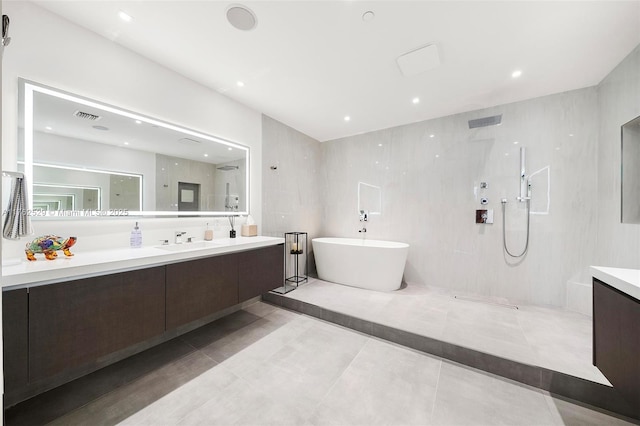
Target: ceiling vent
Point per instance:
(86, 116)
(485, 121)
(188, 141)
(419, 60)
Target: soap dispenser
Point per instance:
(136, 237)
(208, 234)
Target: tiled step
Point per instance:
(565, 385)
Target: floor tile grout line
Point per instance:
(326, 394)
(435, 394)
(541, 369)
(122, 385)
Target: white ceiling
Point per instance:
(311, 63)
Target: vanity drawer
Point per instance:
(15, 329)
(260, 271)
(199, 288)
(78, 323)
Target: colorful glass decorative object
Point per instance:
(49, 245)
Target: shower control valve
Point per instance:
(484, 201)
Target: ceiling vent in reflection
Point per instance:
(188, 141)
(485, 121)
(86, 116)
(227, 168)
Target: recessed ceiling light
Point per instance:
(176, 164)
(240, 84)
(515, 142)
(241, 17)
(138, 122)
(347, 118)
(206, 155)
(432, 136)
(379, 144)
(416, 100)
(437, 155)
(571, 134)
(125, 16)
(506, 154)
(230, 149)
(557, 148)
(48, 128)
(368, 16)
(126, 143)
(516, 74)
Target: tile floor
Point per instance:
(265, 365)
(556, 339)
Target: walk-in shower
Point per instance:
(524, 197)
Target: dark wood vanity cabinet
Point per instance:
(15, 332)
(76, 323)
(260, 271)
(57, 332)
(199, 288)
(616, 340)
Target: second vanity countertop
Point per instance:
(625, 280)
(93, 263)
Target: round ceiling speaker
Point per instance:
(241, 17)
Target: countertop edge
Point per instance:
(624, 280)
(121, 260)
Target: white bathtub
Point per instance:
(370, 264)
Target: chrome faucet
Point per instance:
(179, 235)
(364, 215)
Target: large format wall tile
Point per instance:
(430, 174)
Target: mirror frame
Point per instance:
(623, 163)
(27, 89)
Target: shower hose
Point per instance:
(504, 229)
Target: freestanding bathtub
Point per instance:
(370, 264)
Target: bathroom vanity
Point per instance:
(616, 329)
(90, 315)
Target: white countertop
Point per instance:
(93, 263)
(625, 280)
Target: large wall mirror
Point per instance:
(86, 158)
(631, 171)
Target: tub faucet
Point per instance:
(364, 215)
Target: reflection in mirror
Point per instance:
(369, 198)
(99, 189)
(631, 171)
(61, 197)
(140, 165)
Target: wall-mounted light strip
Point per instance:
(29, 90)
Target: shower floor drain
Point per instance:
(486, 302)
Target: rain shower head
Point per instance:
(485, 121)
(227, 168)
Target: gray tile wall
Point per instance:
(430, 191)
(619, 102)
(292, 193)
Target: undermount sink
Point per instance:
(189, 246)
